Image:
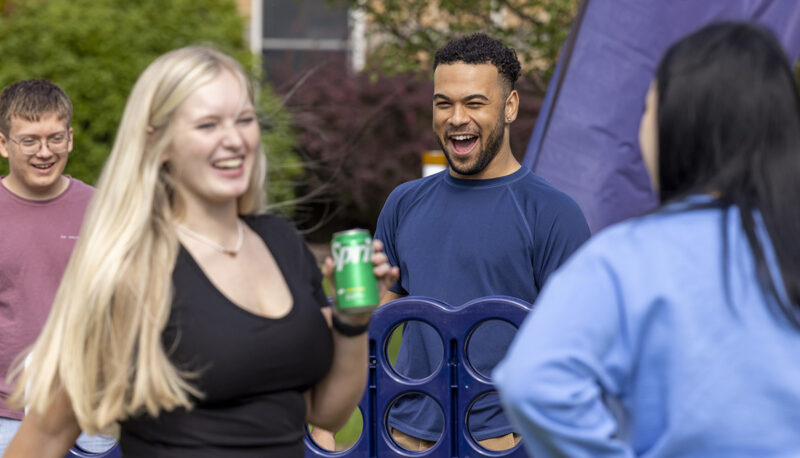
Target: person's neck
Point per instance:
(217, 222)
(51, 192)
(502, 165)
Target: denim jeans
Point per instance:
(8, 428)
(95, 444)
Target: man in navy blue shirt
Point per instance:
(486, 226)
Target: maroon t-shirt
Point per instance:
(36, 240)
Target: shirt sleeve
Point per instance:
(315, 275)
(386, 231)
(308, 267)
(558, 237)
(569, 357)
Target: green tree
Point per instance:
(95, 50)
(409, 30)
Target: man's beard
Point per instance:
(493, 144)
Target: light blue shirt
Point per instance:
(650, 341)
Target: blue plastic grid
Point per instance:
(455, 385)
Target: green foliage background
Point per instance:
(411, 30)
(95, 50)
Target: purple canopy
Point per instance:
(586, 138)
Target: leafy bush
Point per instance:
(283, 165)
(358, 139)
(95, 50)
(362, 135)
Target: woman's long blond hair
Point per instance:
(102, 341)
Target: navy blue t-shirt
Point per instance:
(456, 240)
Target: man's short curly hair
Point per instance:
(480, 48)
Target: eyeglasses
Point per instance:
(57, 143)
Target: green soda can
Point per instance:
(356, 285)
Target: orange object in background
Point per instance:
(433, 161)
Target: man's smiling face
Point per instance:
(468, 115)
(35, 176)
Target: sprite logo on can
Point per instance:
(356, 285)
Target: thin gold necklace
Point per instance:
(215, 245)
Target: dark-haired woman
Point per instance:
(678, 333)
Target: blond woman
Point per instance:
(186, 317)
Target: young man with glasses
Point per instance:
(40, 216)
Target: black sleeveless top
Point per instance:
(252, 370)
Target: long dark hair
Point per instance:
(729, 126)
